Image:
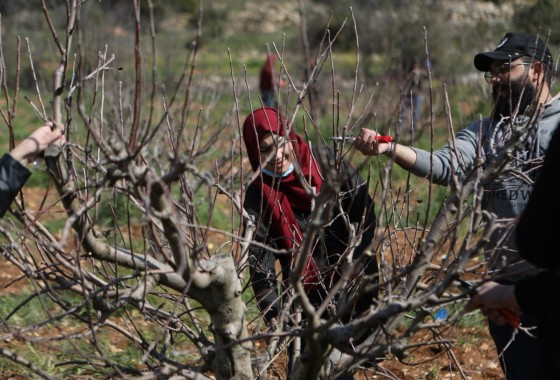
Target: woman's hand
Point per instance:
(37, 142)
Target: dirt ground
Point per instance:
(476, 358)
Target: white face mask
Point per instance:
(279, 175)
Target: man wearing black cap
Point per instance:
(520, 72)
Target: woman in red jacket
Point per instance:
(288, 177)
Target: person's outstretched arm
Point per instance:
(440, 166)
(13, 173)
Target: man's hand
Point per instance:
(492, 299)
(367, 143)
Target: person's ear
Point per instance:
(538, 70)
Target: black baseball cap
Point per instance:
(514, 46)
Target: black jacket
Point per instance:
(537, 240)
(12, 178)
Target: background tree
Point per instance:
(538, 17)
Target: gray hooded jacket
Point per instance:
(507, 196)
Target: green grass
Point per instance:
(39, 176)
(474, 319)
(433, 373)
(24, 122)
(26, 315)
(48, 355)
(55, 224)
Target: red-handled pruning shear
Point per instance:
(509, 315)
(511, 318)
(379, 138)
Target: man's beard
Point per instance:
(518, 95)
